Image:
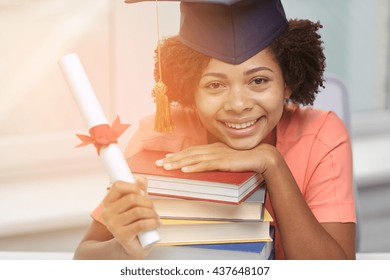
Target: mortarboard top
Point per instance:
(224, 2)
(229, 30)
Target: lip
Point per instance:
(241, 125)
(240, 128)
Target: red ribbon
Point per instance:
(103, 135)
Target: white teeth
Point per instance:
(240, 125)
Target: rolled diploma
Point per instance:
(89, 105)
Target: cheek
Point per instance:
(277, 104)
(276, 111)
(206, 107)
(271, 102)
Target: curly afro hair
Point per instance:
(298, 51)
(181, 69)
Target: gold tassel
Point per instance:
(163, 118)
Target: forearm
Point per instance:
(302, 236)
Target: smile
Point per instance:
(240, 125)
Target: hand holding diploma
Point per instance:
(104, 138)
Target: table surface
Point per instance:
(13, 255)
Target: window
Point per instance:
(38, 116)
(356, 39)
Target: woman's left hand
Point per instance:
(218, 156)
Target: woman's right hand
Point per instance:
(128, 212)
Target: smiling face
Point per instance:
(240, 105)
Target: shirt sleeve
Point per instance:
(330, 191)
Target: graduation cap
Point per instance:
(229, 30)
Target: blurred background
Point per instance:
(48, 188)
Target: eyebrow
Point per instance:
(257, 69)
(214, 74)
(246, 73)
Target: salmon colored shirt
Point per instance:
(315, 145)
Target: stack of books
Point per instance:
(214, 211)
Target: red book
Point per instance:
(218, 186)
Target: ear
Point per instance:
(287, 92)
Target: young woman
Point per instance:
(246, 116)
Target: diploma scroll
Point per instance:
(89, 105)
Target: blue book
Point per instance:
(253, 247)
(253, 250)
(264, 250)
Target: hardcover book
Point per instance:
(219, 186)
(208, 232)
(262, 250)
(252, 209)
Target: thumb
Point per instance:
(141, 183)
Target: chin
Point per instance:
(242, 144)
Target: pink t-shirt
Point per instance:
(315, 145)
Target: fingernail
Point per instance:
(185, 169)
(167, 165)
(159, 162)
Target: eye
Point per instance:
(258, 81)
(214, 85)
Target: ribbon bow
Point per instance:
(103, 135)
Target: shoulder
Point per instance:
(188, 131)
(316, 146)
(308, 137)
(299, 123)
(184, 120)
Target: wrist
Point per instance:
(133, 250)
(270, 159)
(274, 167)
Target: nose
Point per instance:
(238, 101)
